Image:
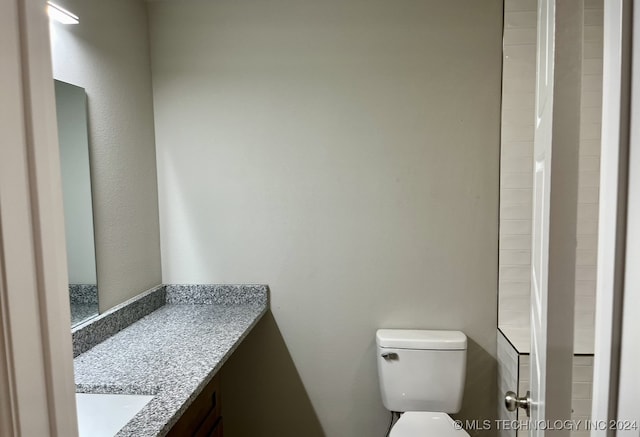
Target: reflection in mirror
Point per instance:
(76, 186)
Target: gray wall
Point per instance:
(346, 153)
(108, 55)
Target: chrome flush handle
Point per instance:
(390, 356)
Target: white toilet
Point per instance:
(422, 374)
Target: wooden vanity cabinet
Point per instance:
(203, 418)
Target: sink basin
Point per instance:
(103, 415)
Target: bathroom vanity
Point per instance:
(168, 343)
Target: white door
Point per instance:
(554, 212)
(541, 200)
(37, 392)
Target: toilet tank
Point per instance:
(421, 370)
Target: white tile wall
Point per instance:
(507, 380)
(516, 166)
(519, 60)
(513, 372)
(581, 388)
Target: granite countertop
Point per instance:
(171, 353)
(82, 311)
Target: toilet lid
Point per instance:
(426, 424)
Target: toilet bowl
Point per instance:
(422, 374)
(426, 424)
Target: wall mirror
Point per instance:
(71, 109)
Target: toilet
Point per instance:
(421, 375)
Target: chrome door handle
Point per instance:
(512, 402)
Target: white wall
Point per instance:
(345, 153)
(108, 55)
(516, 172)
(71, 113)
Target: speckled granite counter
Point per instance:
(172, 353)
(82, 311)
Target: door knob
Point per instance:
(512, 402)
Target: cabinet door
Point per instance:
(217, 431)
(201, 417)
(211, 426)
